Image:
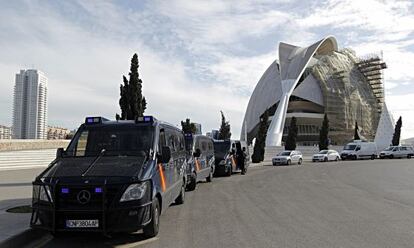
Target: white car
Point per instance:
(288, 158)
(398, 152)
(326, 155)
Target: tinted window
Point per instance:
(204, 145)
(285, 154)
(350, 147)
(116, 140)
(323, 152)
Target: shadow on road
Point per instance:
(37, 238)
(94, 240)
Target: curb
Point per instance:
(25, 238)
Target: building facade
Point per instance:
(54, 133)
(30, 105)
(5, 132)
(309, 82)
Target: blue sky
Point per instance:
(196, 57)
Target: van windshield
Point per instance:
(323, 152)
(389, 148)
(284, 154)
(116, 140)
(350, 147)
(221, 149)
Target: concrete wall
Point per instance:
(16, 145)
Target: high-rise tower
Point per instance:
(30, 105)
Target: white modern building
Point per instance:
(309, 82)
(30, 105)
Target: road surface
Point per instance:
(336, 204)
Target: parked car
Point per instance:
(326, 155)
(359, 150)
(200, 161)
(288, 158)
(398, 152)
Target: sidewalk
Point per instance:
(12, 224)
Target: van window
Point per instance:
(210, 146)
(81, 145)
(170, 141)
(204, 146)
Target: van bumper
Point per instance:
(120, 219)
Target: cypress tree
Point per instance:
(132, 102)
(356, 132)
(259, 146)
(224, 132)
(323, 134)
(188, 127)
(397, 133)
(292, 135)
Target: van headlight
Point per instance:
(222, 162)
(134, 192)
(42, 193)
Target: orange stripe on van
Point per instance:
(233, 161)
(162, 176)
(197, 163)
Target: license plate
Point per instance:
(82, 223)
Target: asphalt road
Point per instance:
(336, 204)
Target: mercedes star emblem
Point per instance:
(84, 196)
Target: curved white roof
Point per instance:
(278, 84)
(266, 93)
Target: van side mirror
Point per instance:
(60, 152)
(197, 153)
(358, 148)
(165, 155)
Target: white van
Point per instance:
(359, 150)
(398, 152)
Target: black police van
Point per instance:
(223, 158)
(115, 176)
(200, 161)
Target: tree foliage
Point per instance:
(224, 132)
(323, 134)
(132, 102)
(397, 132)
(260, 144)
(188, 127)
(356, 132)
(292, 135)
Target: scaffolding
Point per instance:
(372, 68)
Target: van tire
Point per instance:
(229, 172)
(354, 157)
(391, 156)
(373, 157)
(337, 159)
(325, 159)
(288, 162)
(193, 183)
(151, 230)
(210, 176)
(181, 197)
(300, 161)
(408, 156)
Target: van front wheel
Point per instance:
(151, 230)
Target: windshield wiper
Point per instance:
(94, 162)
